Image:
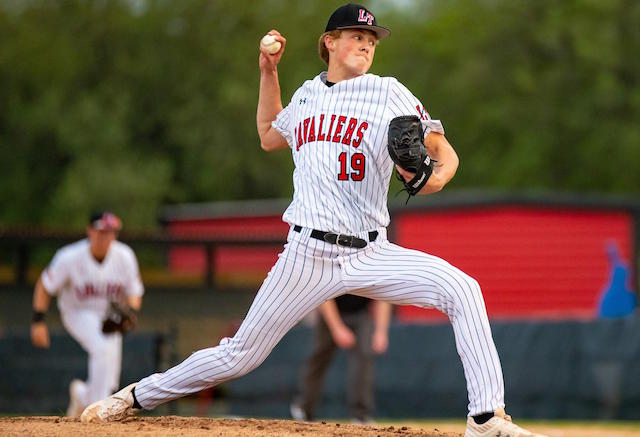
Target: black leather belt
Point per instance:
(340, 239)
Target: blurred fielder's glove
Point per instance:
(406, 148)
(119, 318)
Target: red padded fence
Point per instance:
(531, 262)
(234, 264)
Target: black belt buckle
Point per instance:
(344, 240)
(329, 237)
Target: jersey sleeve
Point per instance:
(402, 102)
(283, 123)
(57, 272)
(134, 285)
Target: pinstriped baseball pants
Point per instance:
(309, 272)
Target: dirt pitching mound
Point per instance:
(173, 426)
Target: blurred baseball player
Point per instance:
(336, 126)
(88, 277)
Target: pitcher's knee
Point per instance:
(473, 285)
(468, 291)
(472, 288)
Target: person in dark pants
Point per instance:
(360, 326)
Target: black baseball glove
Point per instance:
(120, 318)
(407, 150)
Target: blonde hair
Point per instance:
(322, 48)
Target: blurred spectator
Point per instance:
(348, 323)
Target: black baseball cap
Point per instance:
(352, 16)
(105, 221)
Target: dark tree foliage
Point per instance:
(134, 104)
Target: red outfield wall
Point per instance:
(531, 261)
(243, 265)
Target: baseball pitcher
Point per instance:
(344, 129)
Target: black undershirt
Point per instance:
(350, 304)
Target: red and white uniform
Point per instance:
(338, 139)
(84, 287)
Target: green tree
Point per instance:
(135, 104)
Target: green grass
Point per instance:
(568, 428)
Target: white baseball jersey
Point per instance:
(81, 282)
(338, 138)
(339, 145)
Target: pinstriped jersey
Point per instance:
(81, 282)
(338, 139)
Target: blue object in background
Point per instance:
(618, 299)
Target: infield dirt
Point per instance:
(174, 426)
(195, 426)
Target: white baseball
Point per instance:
(269, 44)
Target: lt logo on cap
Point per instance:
(352, 16)
(365, 17)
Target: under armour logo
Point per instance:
(303, 101)
(365, 17)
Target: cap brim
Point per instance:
(112, 223)
(380, 32)
(106, 228)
